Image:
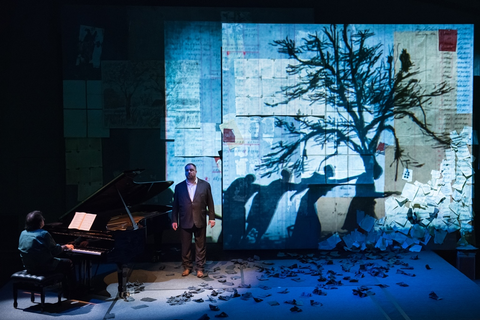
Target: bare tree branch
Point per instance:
(336, 67)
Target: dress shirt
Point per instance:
(192, 187)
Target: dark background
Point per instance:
(32, 156)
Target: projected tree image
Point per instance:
(133, 95)
(368, 90)
(318, 121)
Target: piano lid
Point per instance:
(122, 189)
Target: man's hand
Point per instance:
(83, 244)
(174, 226)
(68, 247)
(211, 223)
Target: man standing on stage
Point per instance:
(191, 200)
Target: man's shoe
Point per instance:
(200, 274)
(185, 272)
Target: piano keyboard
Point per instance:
(85, 251)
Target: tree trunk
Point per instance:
(372, 168)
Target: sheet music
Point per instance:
(82, 221)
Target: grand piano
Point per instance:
(122, 223)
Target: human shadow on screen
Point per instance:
(263, 208)
(307, 229)
(364, 202)
(234, 212)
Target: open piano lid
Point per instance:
(118, 195)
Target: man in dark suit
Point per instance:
(189, 213)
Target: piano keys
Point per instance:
(89, 251)
(119, 231)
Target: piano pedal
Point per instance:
(128, 298)
(125, 296)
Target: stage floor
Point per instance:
(321, 285)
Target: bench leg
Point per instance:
(15, 296)
(42, 298)
(60, 292)
(33, 289)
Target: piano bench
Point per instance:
(22, 280)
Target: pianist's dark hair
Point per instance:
(33, 221)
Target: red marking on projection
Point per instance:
(381, 147)
(228, 135)
(447, 40)
(228, 52)
(244, 53)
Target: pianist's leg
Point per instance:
(65, 266)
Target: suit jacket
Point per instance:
(188, 213)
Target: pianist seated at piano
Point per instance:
(39, 251)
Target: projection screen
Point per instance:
(315, 135)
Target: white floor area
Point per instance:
(352, 286)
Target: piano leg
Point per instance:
(88, 273)
(122, 273)
(85, 273)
